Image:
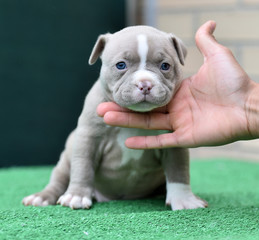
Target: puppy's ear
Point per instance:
(179, 47)
(98, 48)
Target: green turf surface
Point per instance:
(230, 187)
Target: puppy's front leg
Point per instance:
(80, 189)
(179, 194)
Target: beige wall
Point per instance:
(237, 28)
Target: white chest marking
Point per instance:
(131, 154)
(142, 50)
(128, 154)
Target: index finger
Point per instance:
(151, 120)
(109, 106)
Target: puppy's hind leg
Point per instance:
(57, 185)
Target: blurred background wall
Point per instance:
(237, 28)
(44, 74)
(237, 22)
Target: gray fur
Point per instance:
(95, 162)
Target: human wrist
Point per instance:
(252, 111)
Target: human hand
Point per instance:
(210, 107)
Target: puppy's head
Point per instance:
(140, 66)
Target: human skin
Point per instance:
(217, 105)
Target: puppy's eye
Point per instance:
(121, 65)
(165, 66)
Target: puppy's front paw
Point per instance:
(179, 196)
(34, 200)
(75, 201)
(40, 199)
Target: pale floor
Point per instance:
(242, 150)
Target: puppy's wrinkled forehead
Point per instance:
(137, 45)
(138, 40)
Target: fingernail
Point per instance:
(212, 26)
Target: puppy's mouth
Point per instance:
(140, 102)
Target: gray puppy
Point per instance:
(140, 71)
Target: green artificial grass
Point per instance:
(230, 187)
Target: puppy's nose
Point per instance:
(145, 87)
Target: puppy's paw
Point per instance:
(35, 200)
(75, 201)
(180, 196)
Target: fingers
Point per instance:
(205, 41)
(158, 121)
(150, 142)
(115, 115)
(109, 106)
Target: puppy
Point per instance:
(140, 71)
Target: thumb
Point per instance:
(205, 40)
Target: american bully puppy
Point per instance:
(140, 71)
